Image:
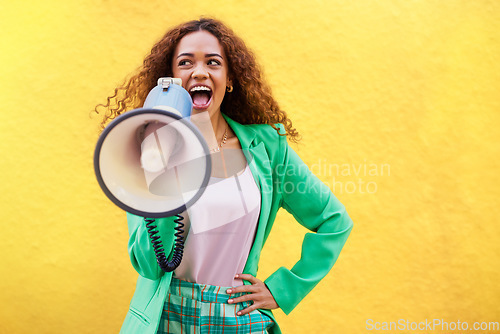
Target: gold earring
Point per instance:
(229, 89)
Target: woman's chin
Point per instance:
(209, 110)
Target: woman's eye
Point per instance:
(213, 62)
(184, 62)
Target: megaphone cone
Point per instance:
(165, 187)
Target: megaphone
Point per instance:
(154, 162)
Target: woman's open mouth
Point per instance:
(201, 96)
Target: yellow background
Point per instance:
(412, 85)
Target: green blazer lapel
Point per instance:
(259, 163)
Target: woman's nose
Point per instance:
(200, 72)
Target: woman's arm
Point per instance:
(315, 207)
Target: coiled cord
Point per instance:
(161, 258)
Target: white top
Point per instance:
(221, 227)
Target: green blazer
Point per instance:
(284, 182)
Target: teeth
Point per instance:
(200, 88)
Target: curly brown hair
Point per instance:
(250, 102)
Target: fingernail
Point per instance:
(229, 291)
(236, 276)
(239, 313)
(230, 301)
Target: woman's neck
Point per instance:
(219, 125)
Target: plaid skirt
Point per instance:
(203, 308)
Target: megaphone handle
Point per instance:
(161, 258)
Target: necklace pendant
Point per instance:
(223, 141)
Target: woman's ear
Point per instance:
(229, 85)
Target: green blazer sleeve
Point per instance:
(140, 249)
(315, 207)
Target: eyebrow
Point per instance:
(208, 55)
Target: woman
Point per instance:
(206, 291)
